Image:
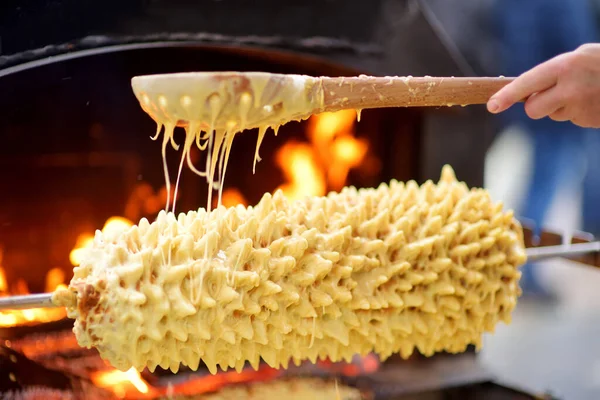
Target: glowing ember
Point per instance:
(211, 383)
(123, 384)
(130, 384)
(359, 366)
(44, 345)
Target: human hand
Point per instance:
(564, 88)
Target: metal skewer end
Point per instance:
(42, 300)
(564, 250)
(59, 298)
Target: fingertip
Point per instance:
(493, 106)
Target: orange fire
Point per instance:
(3, 283)
(360, 365)
(232, 197)
(322, 164)
(301, 169)
(144, 201)
(112, 227)
(54, 280)
(211, 383)
(313, 169)
(129, 384)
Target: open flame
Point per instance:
(311, 169)
(232, 197)
(300, 167)
(144, 201)
(3, 283)
(112, 227)
(212, 383)
(54, 280)
(130, 384)
(124, 384)
(322, 164)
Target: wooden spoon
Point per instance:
(234, 101)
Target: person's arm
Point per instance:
(564, 88)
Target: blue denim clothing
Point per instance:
(529, 33)
(533, 31)
(591, 184)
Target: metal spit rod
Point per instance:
(44, 300)
(24, 302)
(561, 250)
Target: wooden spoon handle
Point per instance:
(375, 92)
